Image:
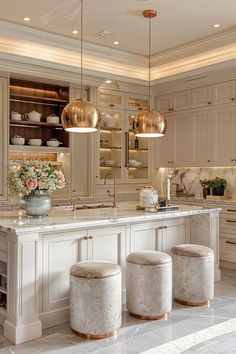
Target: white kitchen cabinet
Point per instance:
(60, 251)
(135, 102)
(201, 137)
(160, 236)
(110, 98)
(224, 92)
(3, 136)
(82, 154)
(177, 101)
(202, 96)
(173, 149)
(223, 136)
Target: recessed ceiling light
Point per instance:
(116, 42)
(108, 81)
(26, 19)
(75, 32)
(217, 25)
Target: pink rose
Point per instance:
(60, 183)
(61, 176)
(31, 183)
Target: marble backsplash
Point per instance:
(190, 179)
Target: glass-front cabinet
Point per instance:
(120, 151)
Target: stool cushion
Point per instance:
(192, 250)
(148, 258)
(94, 269)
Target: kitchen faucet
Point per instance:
(114, 188)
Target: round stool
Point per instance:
(95, 299)
(193, 274)
(149, 285)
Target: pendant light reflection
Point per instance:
(150, 123)
(80, 116)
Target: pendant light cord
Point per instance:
(81, 48)
(149, 62)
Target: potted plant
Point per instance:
(206, 189)
(218, 185)
(34, 181)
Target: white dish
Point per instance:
(17, 140)
(137, 164)
(35, 142)
(53, 143)
(53, 119)
(109, 162)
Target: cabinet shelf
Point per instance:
(110, 129)
(3, 274)
(3, 289)
(28, 124)
(138, 150)
(24, 148)
(110, 147)
(29, 98)
(137, 167)
(104, 166)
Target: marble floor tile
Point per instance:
(138, 336)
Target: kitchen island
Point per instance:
(36, 254)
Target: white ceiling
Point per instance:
(178, 21)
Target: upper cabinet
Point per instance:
(174, 102)
(110, 98)
(224, 92)
(135, 102)
(4, 136)
(202, 96)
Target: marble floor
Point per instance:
(188, 330)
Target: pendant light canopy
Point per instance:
(150, 123)
(80, 116)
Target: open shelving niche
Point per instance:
(47, 99)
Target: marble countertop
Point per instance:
(62, 218)
(195, 200)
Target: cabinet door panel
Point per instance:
(224, 92)
(3, 136)
(145, 237)
(223, 136)
(181, 100)
(163, 103)
(180, 140)
(177, 232)
(162, 147)
(200, 137)
(60, 252)
(201, 96)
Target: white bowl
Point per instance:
(53, 119)
(18, 141)
(109, 162)
(137, 164)
(53, 143)
(35, 142)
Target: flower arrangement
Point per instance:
(27, 176)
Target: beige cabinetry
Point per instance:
(224, 92)
(120, 152)
(160, 236)
(177, 101)
(202, 96)
(4, 136)
(228, 234)
(173, 149)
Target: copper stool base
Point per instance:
(149, 318)
(96, 336)
(192, 303)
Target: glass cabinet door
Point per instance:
(110, 137)
(135, 102)
(110, 98)
(136, 160)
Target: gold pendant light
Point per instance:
(150, 123)
(80, 116)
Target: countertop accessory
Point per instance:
(33, 116)
(53, 119)
(16, 116)
(80, 116)
(149, 122)
(148, 197)
(17, 140)
(114, 188)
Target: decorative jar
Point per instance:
(148, 197)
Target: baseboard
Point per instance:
(55, 317)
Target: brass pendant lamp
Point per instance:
(80, 116)
(150, 123)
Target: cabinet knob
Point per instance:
(209, 102)
(172, 161)
(90, 237)
(169, 109)
(232, 98)
(168, 161)
(232, 160)
(208, 160)
(111, 105)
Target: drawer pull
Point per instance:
(231, 243)
(234, 221)
(234, 210)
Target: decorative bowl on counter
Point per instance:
(109, 162)
(53, 143)
(35, 142)
(17, 140)
(53, 119)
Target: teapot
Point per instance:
(16, 116)
(148, 197)
(33, 116)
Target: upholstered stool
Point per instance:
(193, 274)
(149, 285)
(95, 299)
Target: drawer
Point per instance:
(228, 209)
(3, 242)
(227, 249)
(228, 223)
